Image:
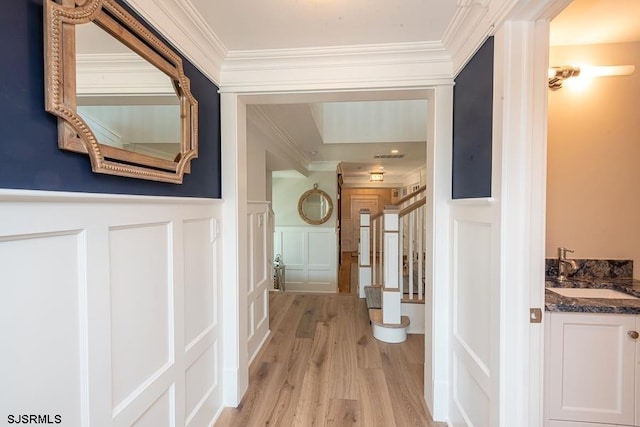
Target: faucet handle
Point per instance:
(562, 252)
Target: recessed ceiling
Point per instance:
(302, 124)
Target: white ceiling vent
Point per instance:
(388, 156)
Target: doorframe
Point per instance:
(523, 211)
(234, 169)
(524, 56)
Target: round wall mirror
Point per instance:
(315, 206)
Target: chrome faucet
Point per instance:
(565, 266)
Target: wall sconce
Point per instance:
(557, 75)
(376, 176)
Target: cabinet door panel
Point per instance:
(592, 368)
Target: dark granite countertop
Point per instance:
(557, 302)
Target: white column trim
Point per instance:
(520, 123)
(234, 274)
(437, 267)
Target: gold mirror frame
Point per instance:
(74, 134)
(305, 196)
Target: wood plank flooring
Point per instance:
(344, 272)
(322, 367)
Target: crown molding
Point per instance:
(379, 53)
(409, 65)
(180, 23)
(324, 166)
(280, 137)
(420, 170)
(473, 22)
(342, 67)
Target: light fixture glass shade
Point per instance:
(608, 70)
(376, 176)
(557, 75)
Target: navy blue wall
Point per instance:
(29, 154)
(472, 126)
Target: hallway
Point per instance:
(322, 367)
(348, 275)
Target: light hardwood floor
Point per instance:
(322, 367)
(344, 273)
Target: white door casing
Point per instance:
(235, 259)
(437, 242)
(517, 211)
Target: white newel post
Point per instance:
(391, 294)
(364, 256)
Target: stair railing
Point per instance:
(414, 216)
(410, 238)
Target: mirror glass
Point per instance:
(120, 92)
(315, 206)
(126, 101)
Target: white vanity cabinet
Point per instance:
(592, 369)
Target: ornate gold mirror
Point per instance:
(120, 93)
(315, 206)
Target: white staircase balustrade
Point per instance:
(391, 292)
(377, 234)
(391, 267)
(414, 215)
(364, 252)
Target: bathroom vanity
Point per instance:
(592, 352)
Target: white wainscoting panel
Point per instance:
(310, 258)
(141, 293)
(201, 320)
(42, 325)
(472, 290)
(111, 306)
(202, 316)
(259, 226)
(159, 413)
(473, 332)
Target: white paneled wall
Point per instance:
(310, 258)
(111, 308)
(474, 323)
(260, 228)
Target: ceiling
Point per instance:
(287, 24)
(387, 136)
(249, 25)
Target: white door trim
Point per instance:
(522, 51)
(235, 249)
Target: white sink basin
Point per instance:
(591, 293)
